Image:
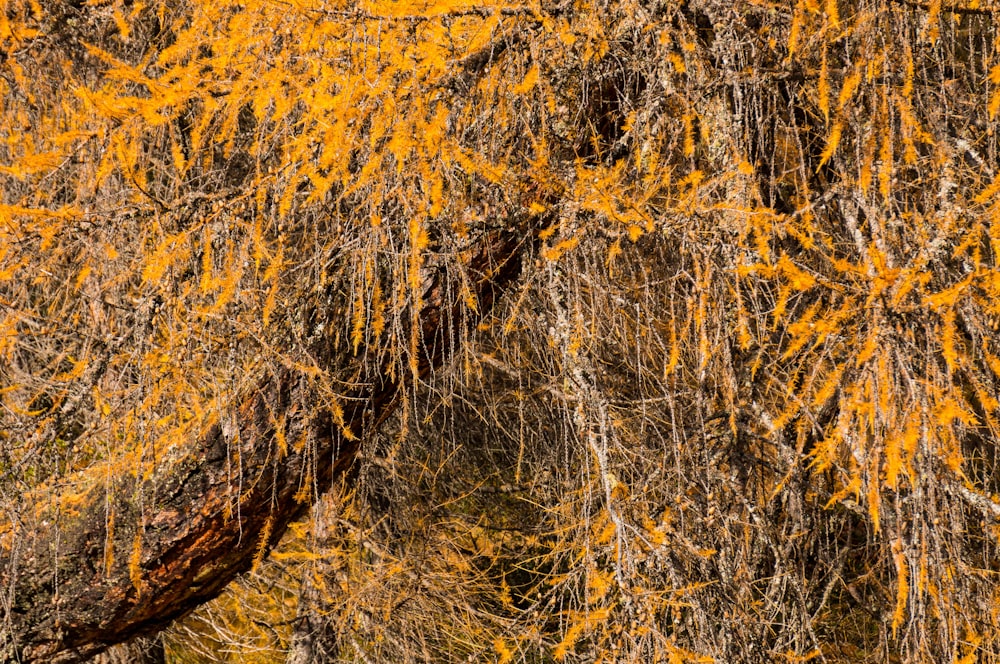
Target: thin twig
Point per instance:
(950, 9)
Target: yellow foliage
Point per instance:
(505, 653)
(902, 584)
(823, 87)
(598, 584)
(832, 141)
(263, 180)
(528, 82)
(847, 91)
(579, 624)
(262, 546)
(797, 278)
(554, 252)
(135, 561)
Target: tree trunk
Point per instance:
(310, 638)
(305, 647)
(67, 598)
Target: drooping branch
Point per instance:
(67, 597)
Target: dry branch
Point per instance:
(950, 8)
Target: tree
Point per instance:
(749, 343)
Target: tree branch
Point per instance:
(63, 601)
(950, 9)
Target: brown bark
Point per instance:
(64, 606)
(309, 631)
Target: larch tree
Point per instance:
(616, 331)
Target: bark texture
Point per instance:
(215, 510)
